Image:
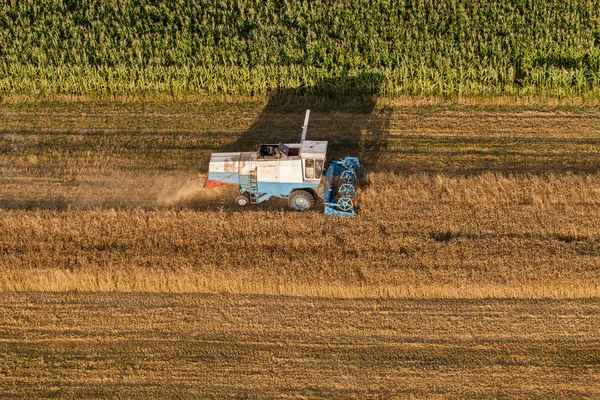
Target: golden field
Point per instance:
(117, 345)
(482, 236)
(472, 270)
(460, 201)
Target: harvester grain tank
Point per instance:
(292, 170)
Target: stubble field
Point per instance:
(223, 346)
(493, 208)
(460, 201)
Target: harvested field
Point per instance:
(471, 272)
(183, 346)
(461, 202)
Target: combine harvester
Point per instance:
(293, 171)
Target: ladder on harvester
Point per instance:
(253, 188)
(249, 186)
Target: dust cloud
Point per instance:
(187, 188)
(146, 190)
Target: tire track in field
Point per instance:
(223, 346)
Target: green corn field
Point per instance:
(326, 48)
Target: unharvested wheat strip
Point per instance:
(490, 235)
(159, 281)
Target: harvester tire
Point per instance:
(242, 200)
(301, 200)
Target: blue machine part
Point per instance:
(339, 187)
(280, 189)
(301, 204)
(266, 190)
(348, 176)
(225, 177)
(259, 191)
(347, 190)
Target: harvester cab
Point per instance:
(293, 170)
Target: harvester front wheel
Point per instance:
(301, 200)
(242, 200)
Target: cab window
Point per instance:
(319, 168)
(313, 169)
(309, 169)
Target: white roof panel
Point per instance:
(313, 148)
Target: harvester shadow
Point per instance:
(343, 112)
